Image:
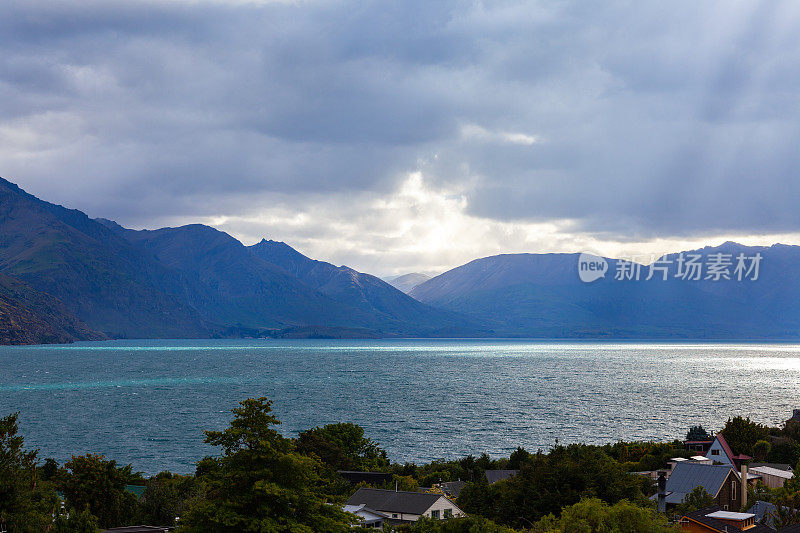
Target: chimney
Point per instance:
(662, 491)
(744, 487)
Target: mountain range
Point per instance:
(191, 281)
(65, 276)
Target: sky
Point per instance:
(397, 137)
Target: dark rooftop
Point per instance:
(494, 476)
(687, 475)
(394, 501)
(701, 517)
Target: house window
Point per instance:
(394, 515)
(448, 513)
(733, 491)
(714, 452)
(435, 514)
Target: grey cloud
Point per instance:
(651, 120)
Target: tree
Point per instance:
(551, 481)
(468, 524)
(592, 515)
(166, 497)
(91, 481)
(742, 434)
(75, 522)
(343, 447)
(26, 502)
(260, 482)
(697, 433)
(694, 501)
(761, 450)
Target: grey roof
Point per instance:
(763, 511)
(498, 475)
(394, 501)
(687, 475)
(794, 528)
(452, 488)
(779, 466)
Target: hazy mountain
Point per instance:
(28, 316)
(365, 292)
(406, 282)
(542, 295)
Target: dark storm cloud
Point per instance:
(633, 119)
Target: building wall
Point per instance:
(725, 495)
(442, 504)
(773, 482)
(717, 454)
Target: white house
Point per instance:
(369, 517)
(404, 506)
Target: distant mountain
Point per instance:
(31, 317)
(406, 282)
(367, 293)
(99, 276)
(240, 288)
(541, 295)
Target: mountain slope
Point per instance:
(366, 293)
(406, 282)
(31, 317)
(246, 290)
(541, 295)
(97, 275)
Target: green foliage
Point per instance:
(640, 456)
(259, 482)
(761, 450)
(168, 496)
(26, 503)
(697, 433)
(592, 515)
(343, 447)
(694, 501)
(551, 481)
(742, 434)
(468, 524)
(75, 522)
(91, 481)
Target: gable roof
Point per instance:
(394, 501)
(689, 474)
(498, 475)
(725, 447)
(763, 511)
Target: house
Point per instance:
(371, 478)
(773, 478)
(369, 517)
(404, 506)
(720, 481)
(451, 489)
(493, 476)
(699, 446)
(721, 453)
(716, 520)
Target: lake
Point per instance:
(148, 402)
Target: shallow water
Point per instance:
(148, 402)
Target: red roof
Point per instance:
(725, 447)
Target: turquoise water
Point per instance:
(148, 402)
